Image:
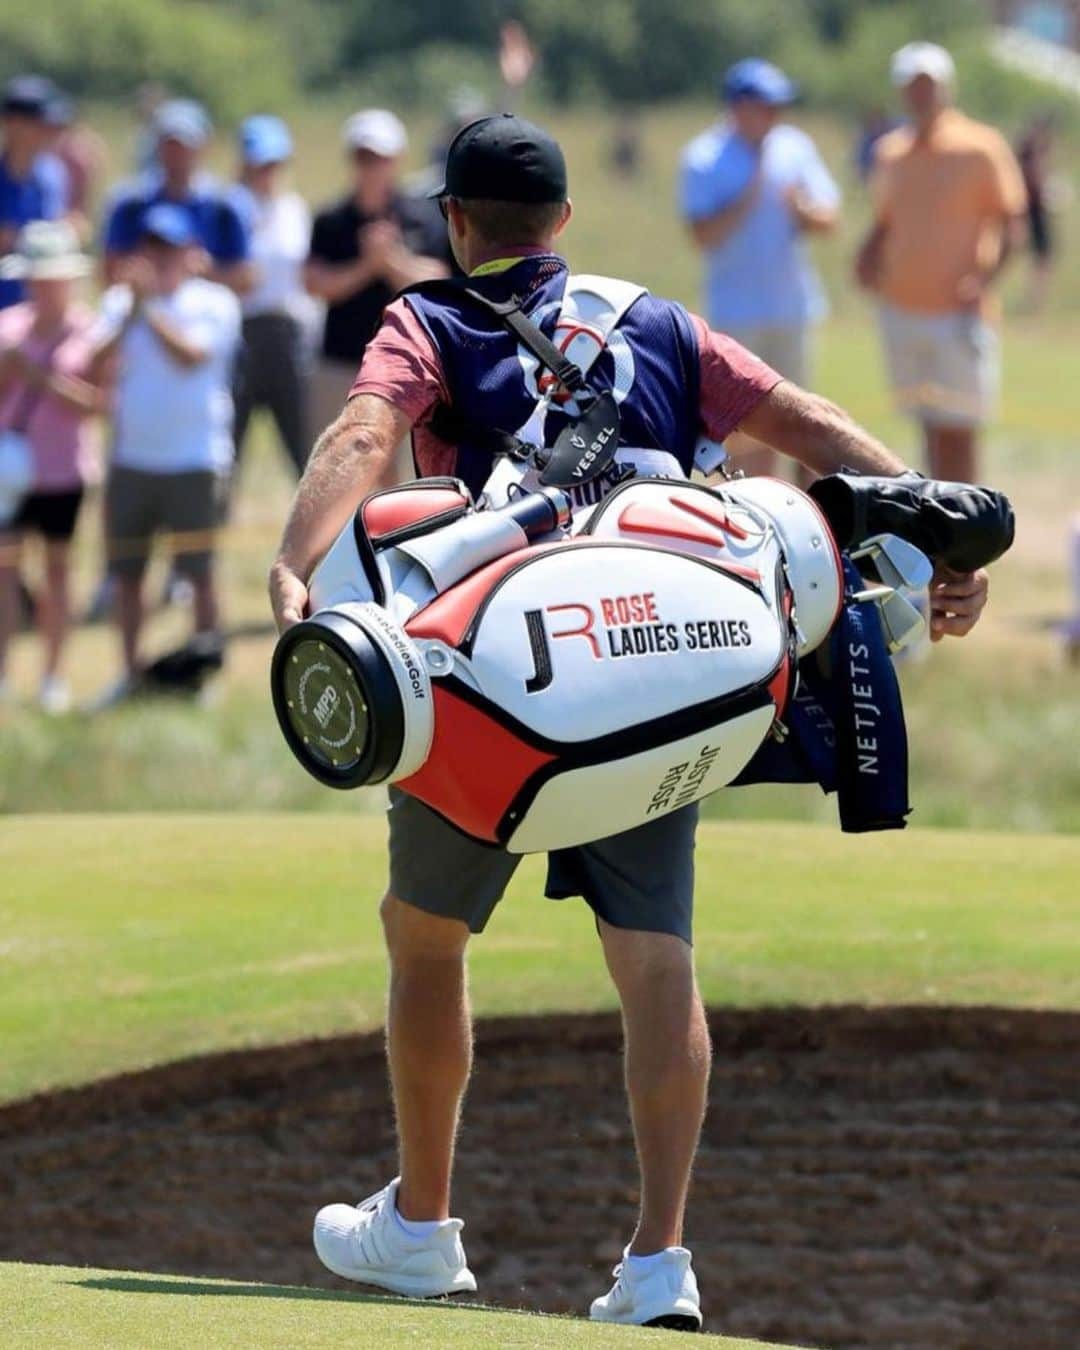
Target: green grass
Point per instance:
(110, 1310)
(128, 941)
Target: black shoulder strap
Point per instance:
(509, 314)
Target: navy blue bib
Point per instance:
(651, 363)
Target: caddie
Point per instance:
(443, 368)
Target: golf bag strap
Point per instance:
(509, 314)
(452, 426)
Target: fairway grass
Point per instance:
(109, 1310)
(129, 941)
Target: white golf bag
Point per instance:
(540, 684)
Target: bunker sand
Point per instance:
(897, 1177)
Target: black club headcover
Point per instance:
(958, 524)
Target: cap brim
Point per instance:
(191, 139)
(164, 239)
(901, 79)
(16, 268)
(435, 193)
(380, 150)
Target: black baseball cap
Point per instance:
(504, 159)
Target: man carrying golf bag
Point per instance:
(503, 410)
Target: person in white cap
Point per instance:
(47, 399)
(364, 249)
(949, 205)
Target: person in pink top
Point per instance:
(47, 400)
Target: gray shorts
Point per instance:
(190, 506)
(642, 879)
(787, 350)
(944, 368)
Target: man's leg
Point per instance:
(952, 453)
(429, 1047)
(131, 503)
(668, 1055)
(10, 559)
(196, 507)
(129, 617)
(53, 603)
(288, 369)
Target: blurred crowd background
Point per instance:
(205, 208)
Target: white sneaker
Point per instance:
(367, 1243)
(663, 1293)
(127, 686)
(54, 696)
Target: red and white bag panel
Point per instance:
(584, 688)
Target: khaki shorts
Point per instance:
(190, 506)
(944, 368)
(642, 879)
(787, 350)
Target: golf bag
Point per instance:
(540, 688)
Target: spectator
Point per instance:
(46, 400)
(1033, 154)
(175, 336)
(183, 130)
(753, 187)
(626, 152)
(275, 363)
(33, 183)
(364, 250)
(82, 152)
(949, 204)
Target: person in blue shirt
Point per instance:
(33, 182)
(183, 130)
(752, 188)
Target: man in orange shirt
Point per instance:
(949, 206)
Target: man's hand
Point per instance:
(349, 460)
(808, 217)
(970, 291)
(957, 599)
(377, 243)
(288, 596)
(138, 274)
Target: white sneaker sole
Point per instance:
(410, 1286)
(681, 1315)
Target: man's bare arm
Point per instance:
(868, 260)
(817, 433)
(825, 439)
(711, 231)
(406, 269)
(346, 464)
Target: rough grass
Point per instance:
(87, 1309)
(128, 941)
